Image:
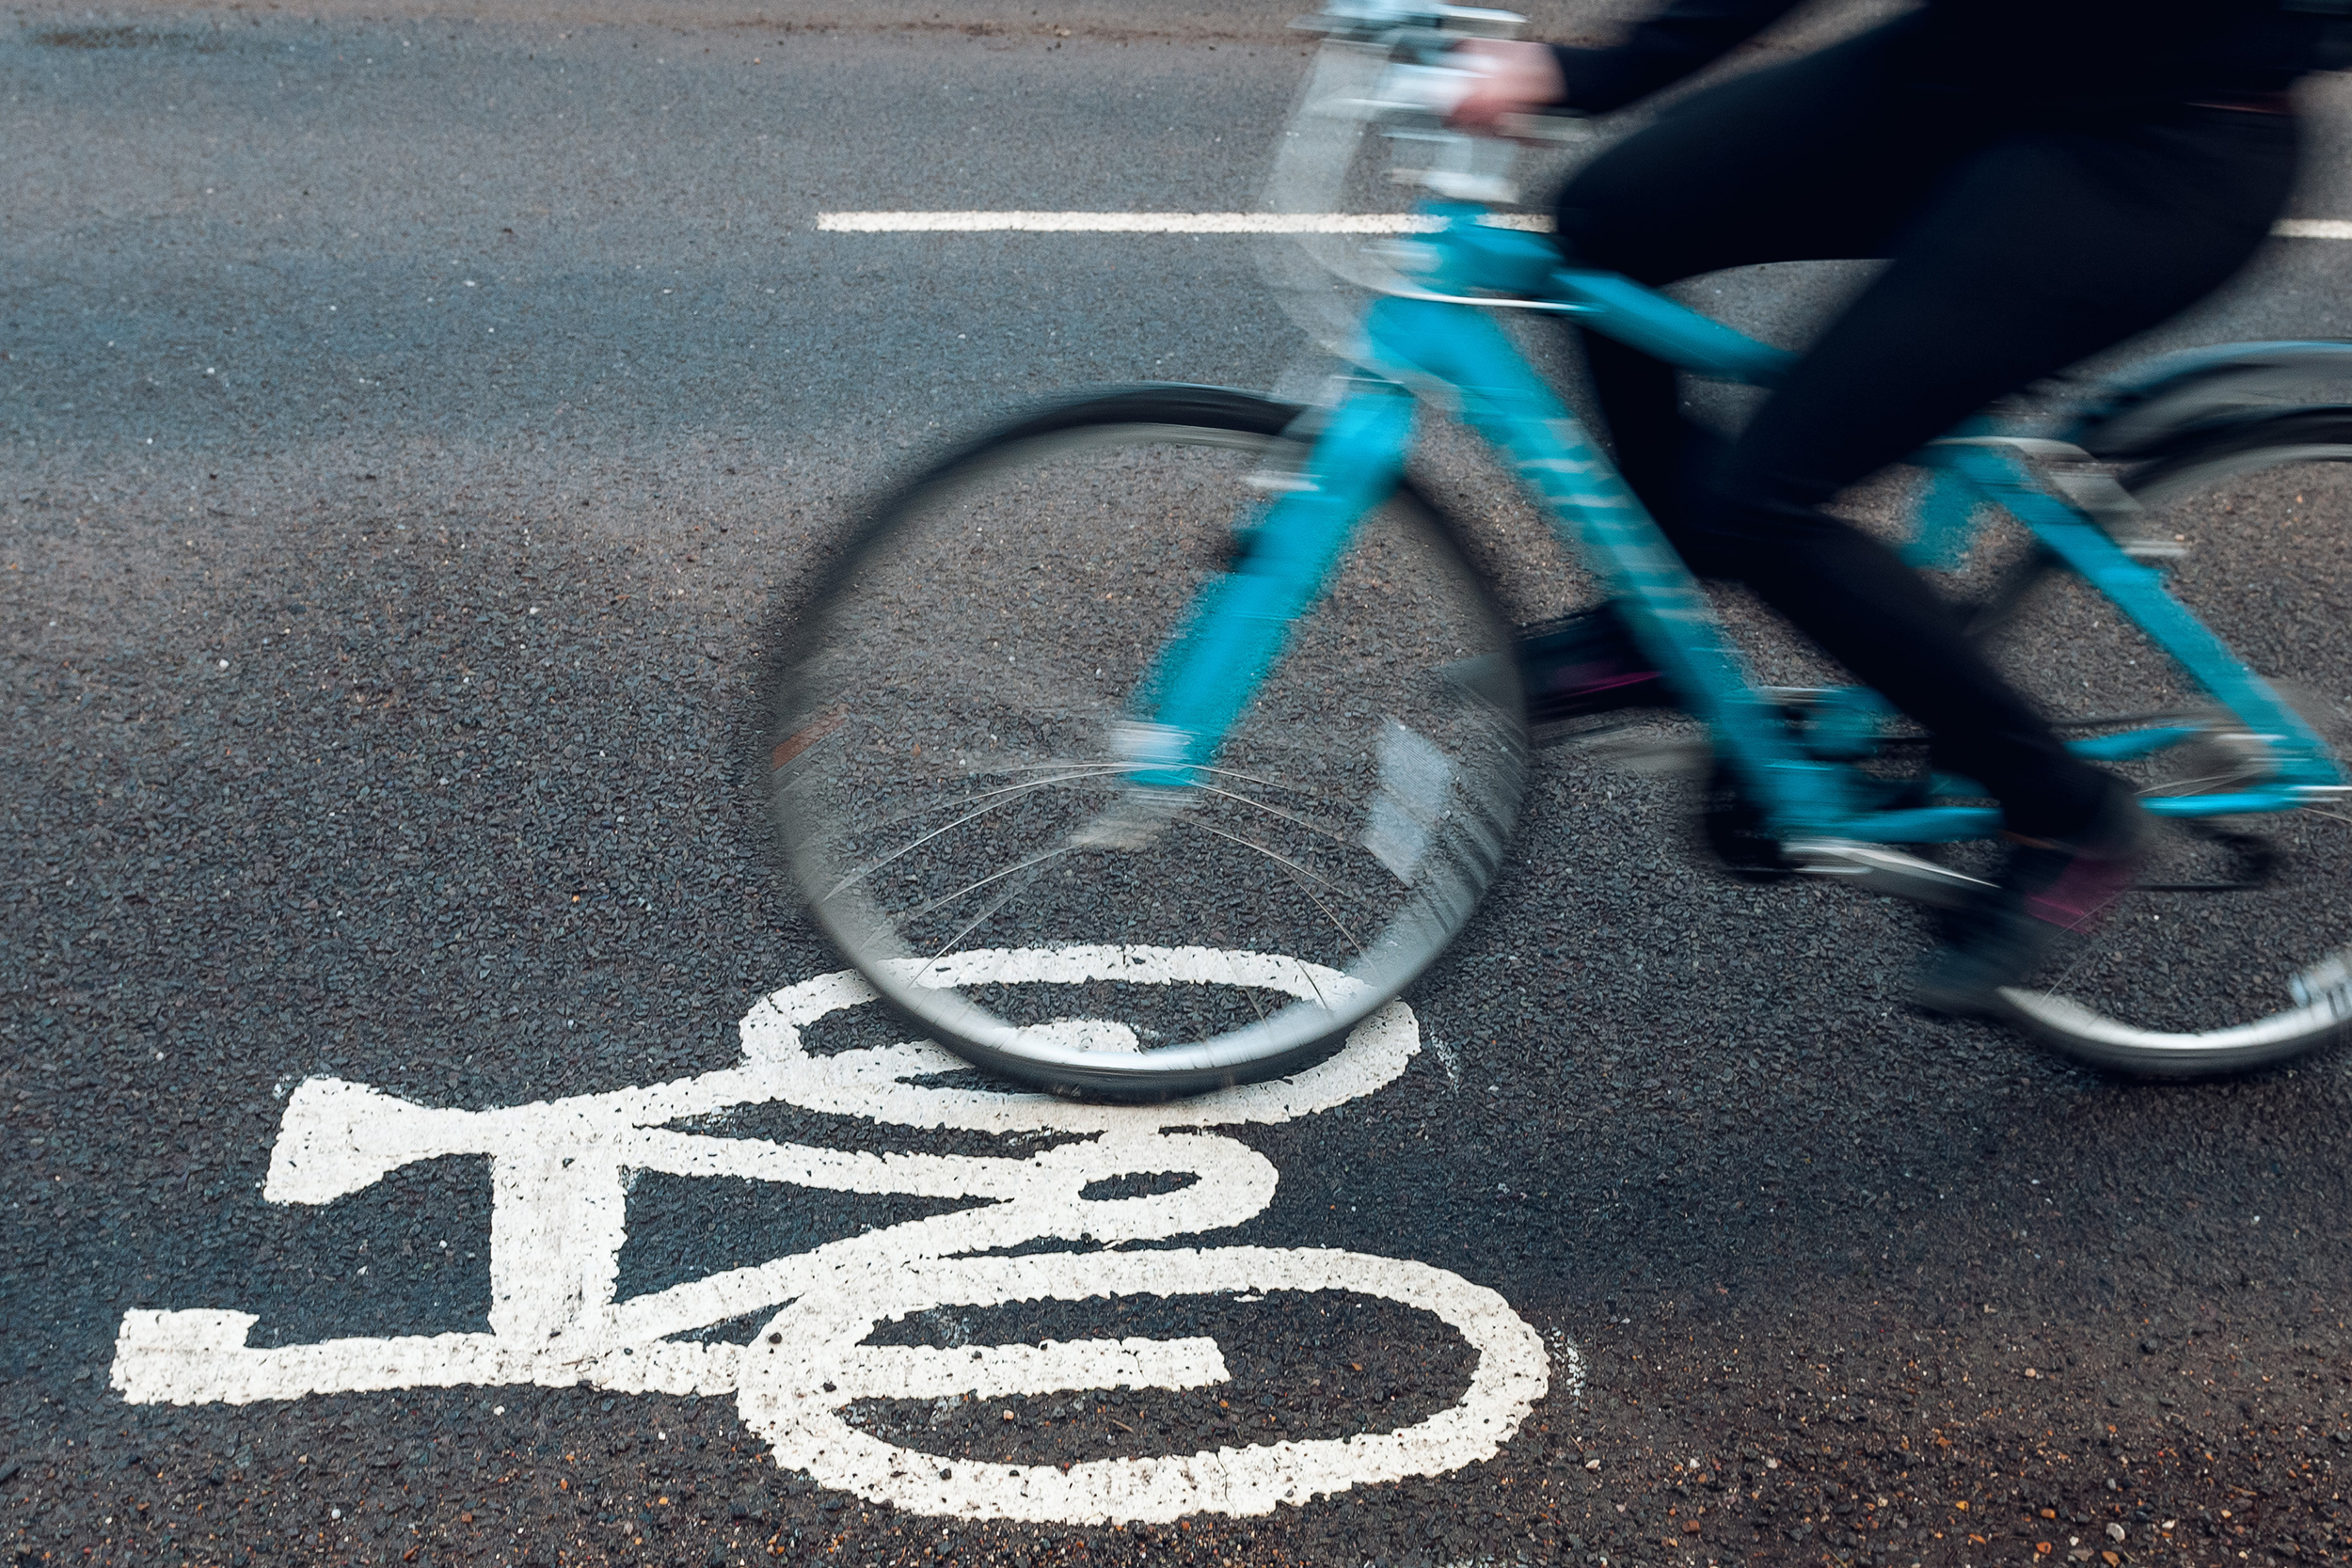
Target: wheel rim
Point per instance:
(2179, 982)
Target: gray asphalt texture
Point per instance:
(413, 419)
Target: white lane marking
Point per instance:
(561, 1172)
(1149, 223)
(1271, 223)
(880, 1083)
(1050, 1365)
(795, 1389)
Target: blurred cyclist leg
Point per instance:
(2017, 245)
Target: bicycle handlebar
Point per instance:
(1401, 25)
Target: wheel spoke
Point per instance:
(990, 603)
(1292, 817)
(998, 800)
(1000, 901)
(947, 898)
(1298, 872)
(2171, 788)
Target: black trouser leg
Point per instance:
(1812, 159)
(2010, 258)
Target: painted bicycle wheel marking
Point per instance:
(877, 1082)
(785, 1384)
(559, 1174)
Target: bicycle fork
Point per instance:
(1240, 623)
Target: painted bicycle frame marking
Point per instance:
(561, 1173)
(1444, 346)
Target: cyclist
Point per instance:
(2044, 178)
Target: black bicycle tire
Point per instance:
(781, 702)
(2297, 435)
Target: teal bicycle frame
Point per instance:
(1442, 343)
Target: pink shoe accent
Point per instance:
(2085, 891)
(1574, 679)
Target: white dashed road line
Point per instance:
(1267, 223)
(2314, 228)
(1144, 223)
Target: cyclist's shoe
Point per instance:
(2050, 889)
(1584, 663)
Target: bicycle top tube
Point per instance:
(1468, 256)
(1432, 337)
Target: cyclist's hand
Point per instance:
(1513, 78)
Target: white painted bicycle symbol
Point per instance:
(561, 1172)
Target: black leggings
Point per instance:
(2018, 243)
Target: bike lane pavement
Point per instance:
(408, 769)
(326, 963)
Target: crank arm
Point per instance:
(1876, 868)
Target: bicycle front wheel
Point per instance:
(2235, 952)
(952, 745)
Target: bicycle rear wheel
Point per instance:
(2220, 963)
(951, 794)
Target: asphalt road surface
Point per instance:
(420, 1141)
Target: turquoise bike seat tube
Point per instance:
(1240, 623)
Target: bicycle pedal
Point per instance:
(1733, 828)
